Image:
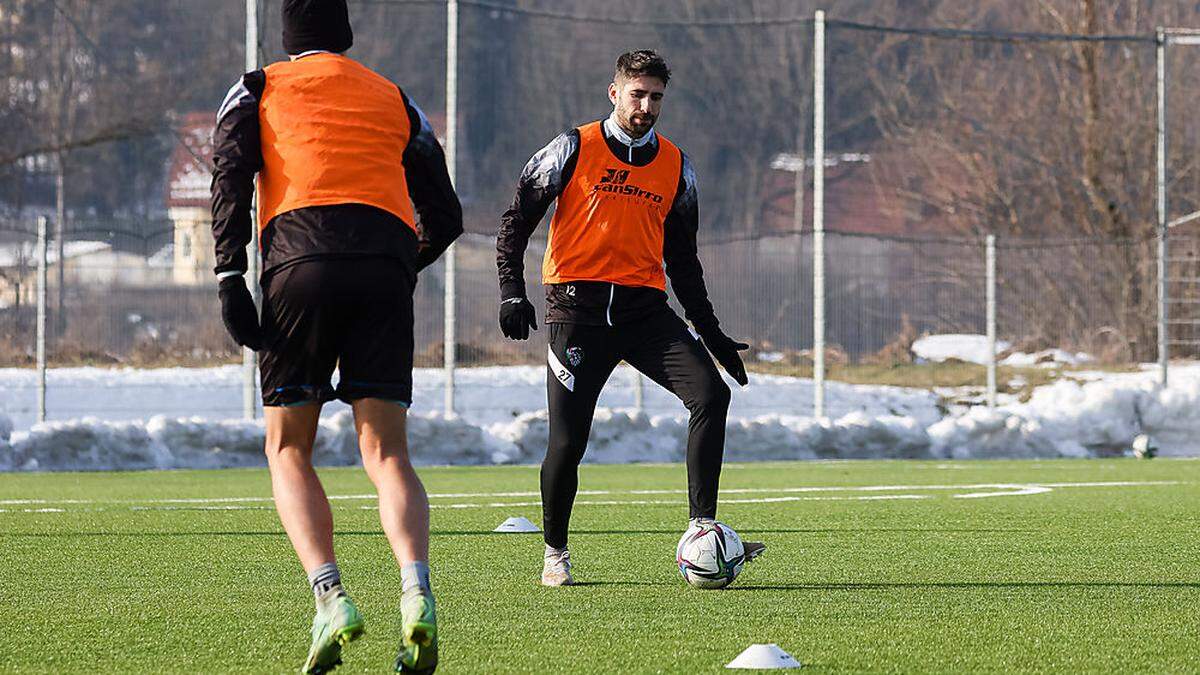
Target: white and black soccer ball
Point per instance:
(710, 555)
(1144, 447)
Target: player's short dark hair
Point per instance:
(642, 62)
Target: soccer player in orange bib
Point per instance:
(354, 200)
(627, 209)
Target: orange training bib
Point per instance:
(609, 222)
(333, 132)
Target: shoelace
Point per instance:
(563, 559)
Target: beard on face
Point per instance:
(640, 122)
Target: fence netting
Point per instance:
(1021, 136)
(934, 140)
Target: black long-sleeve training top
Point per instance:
(333, 231)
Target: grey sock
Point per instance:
(414, 577)
(326, 580)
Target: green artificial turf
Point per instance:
(1097, 578)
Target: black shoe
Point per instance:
(753, 549)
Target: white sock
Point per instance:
(326, 582)
(414, 576)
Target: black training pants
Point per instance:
(579, 362)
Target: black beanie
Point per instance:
(316, 24)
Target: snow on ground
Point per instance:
(1071, 419)
(969, 348)
(483, 395)
(179, 418)
(1047, 358)
(974, 349)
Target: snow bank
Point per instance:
(620, 436)
(6, 451)
(483, 396)
(1063, 419)
(974, 349)
(196, 443)
(617, 437)
(1046, 358)
(991, 433)
(969, 348)
(1070, 419)
(183, 417)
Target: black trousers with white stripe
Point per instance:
(580, 360)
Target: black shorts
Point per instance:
(353, 313)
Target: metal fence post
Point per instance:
(249, 381)
(991, 320)
(450, 319)
(639, 391)
(819, 214)
(60, 243)
(41, 317)
(1160, 138)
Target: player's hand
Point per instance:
(239, 313)
(517, 316)
(725, 350)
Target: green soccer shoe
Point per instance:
(418, 627)
(334, 626)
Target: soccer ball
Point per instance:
(1144, 447)
(710, 555)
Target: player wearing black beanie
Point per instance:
(354, 200)
(310, 25)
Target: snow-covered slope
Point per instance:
(141, 421)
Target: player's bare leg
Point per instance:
(403, 505)
(304, 511)
(404, 515)
(299, 498)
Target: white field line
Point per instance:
(234, 500)
(672, 502)
(19, 502)
(1018, 490)
(902, 488)
(202, 507)
(991, 490)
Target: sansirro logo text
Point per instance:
(613, 181)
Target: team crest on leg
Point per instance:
(574, 355)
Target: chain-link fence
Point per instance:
(882, 293)
(934, 138)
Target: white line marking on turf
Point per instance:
(18, 502)
(979, 490)
(1019, 490)
(235, 500)
(201, 507)
(664, 502)
(899, 488)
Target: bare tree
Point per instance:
(1031, 139)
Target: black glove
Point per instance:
(725, 350)
(517, 316)
(239, 313)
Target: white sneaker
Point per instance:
(556, 568)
